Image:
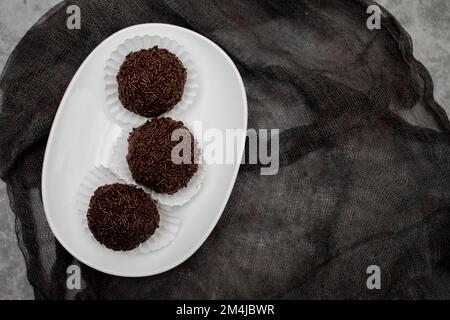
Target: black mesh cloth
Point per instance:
(365, 154)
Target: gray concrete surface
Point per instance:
(428, 22)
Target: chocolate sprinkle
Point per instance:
(122, 216)
(151, 81)
(149, 156)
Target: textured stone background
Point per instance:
(427, 21)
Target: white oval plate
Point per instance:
(82, 136)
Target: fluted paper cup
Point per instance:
(119, 165)
(168, 226)
(115, 108)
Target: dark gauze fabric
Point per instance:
(365, 154)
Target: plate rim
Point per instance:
(51, 135)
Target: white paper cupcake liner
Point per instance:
(119, 165)
(99, 176)
(113, 105)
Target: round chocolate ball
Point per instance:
(122, 216)
(150, 155)
(151, 81)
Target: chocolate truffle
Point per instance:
(122, 216)
(149, 156)
(151, 81)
